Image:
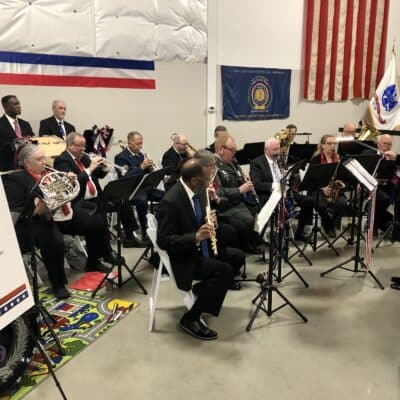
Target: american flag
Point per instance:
(345, 48)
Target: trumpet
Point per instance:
(122, 169)
(153, 166)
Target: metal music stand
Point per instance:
(358, 260)
(317, 177)
(111, 199)
(275, 258)
(146, 185)
(299, 152)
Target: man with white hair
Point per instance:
(349, 129)
(56, 125)
(174, 157)
(265, 172)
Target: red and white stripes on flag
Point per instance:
(345, 48)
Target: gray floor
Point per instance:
(349, 349)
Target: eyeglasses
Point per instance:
(81, 146)
(233, 151)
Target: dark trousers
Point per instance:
(321, 205)
(382, 216)
(140, 202)
(95, 231)
(50, 242)
(306, 205)
(216, 277)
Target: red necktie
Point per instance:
(89, 183)
(17, 129)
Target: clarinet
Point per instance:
(213, 239)
(245, 178)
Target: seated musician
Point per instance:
(233, 187)
(89, 171)
(138, 164)
(183, 233)
(220, 133)
(56, 124)
(265, 171)
(174, 157)
(13, 130)
(387, 190)
(331, 214)
(47, 229)
(349, 129)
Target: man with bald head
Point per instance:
(174, 157)
(349, 129)
(265, 173)
(56, 125)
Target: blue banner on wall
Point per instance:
(255, 93)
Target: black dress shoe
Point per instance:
(253, 250)
(197, 329)
(235, 285)
(396, 279)
(61, 293)
(98, 267)
(129, 243)
(114, 259)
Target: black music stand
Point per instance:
(358, 260)
(111, 199)
(146, 185)
(275, 258)
(353, 147)
(299, 152)
(249, 152)
(317, 177)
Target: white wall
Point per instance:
(177, 104)
(269, 33)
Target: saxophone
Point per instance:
(336, 186)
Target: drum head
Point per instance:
(16, 347)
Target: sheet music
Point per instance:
(265, 213)
(363, 176)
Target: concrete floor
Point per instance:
(349, 349)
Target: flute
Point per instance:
(213, 238)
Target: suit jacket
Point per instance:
(174, 161)
(18, 188)
(49, 126)
(64, 162)
(125, 157)
(8, 139)
(177, 227)
(261, 176)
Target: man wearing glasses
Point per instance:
(233, 188)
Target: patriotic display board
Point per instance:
(15, 293)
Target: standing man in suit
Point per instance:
(13, 130)
(56, 125)
(89, 171)
(264, 173)
(183, 233)
(174, 157)
(138, 164)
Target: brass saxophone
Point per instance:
(336, 186)
(284, 140)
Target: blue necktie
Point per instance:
(199, 219)
(277, 172)
(60, 127)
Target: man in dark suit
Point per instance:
(46, 228)
(138, 164)
(56, 125)
(13, 130)
(174, 157)
(89, 171)
(263, 177)
(220, 132)
(183, 233)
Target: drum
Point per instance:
(16, 348)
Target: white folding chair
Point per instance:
(188, 297)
